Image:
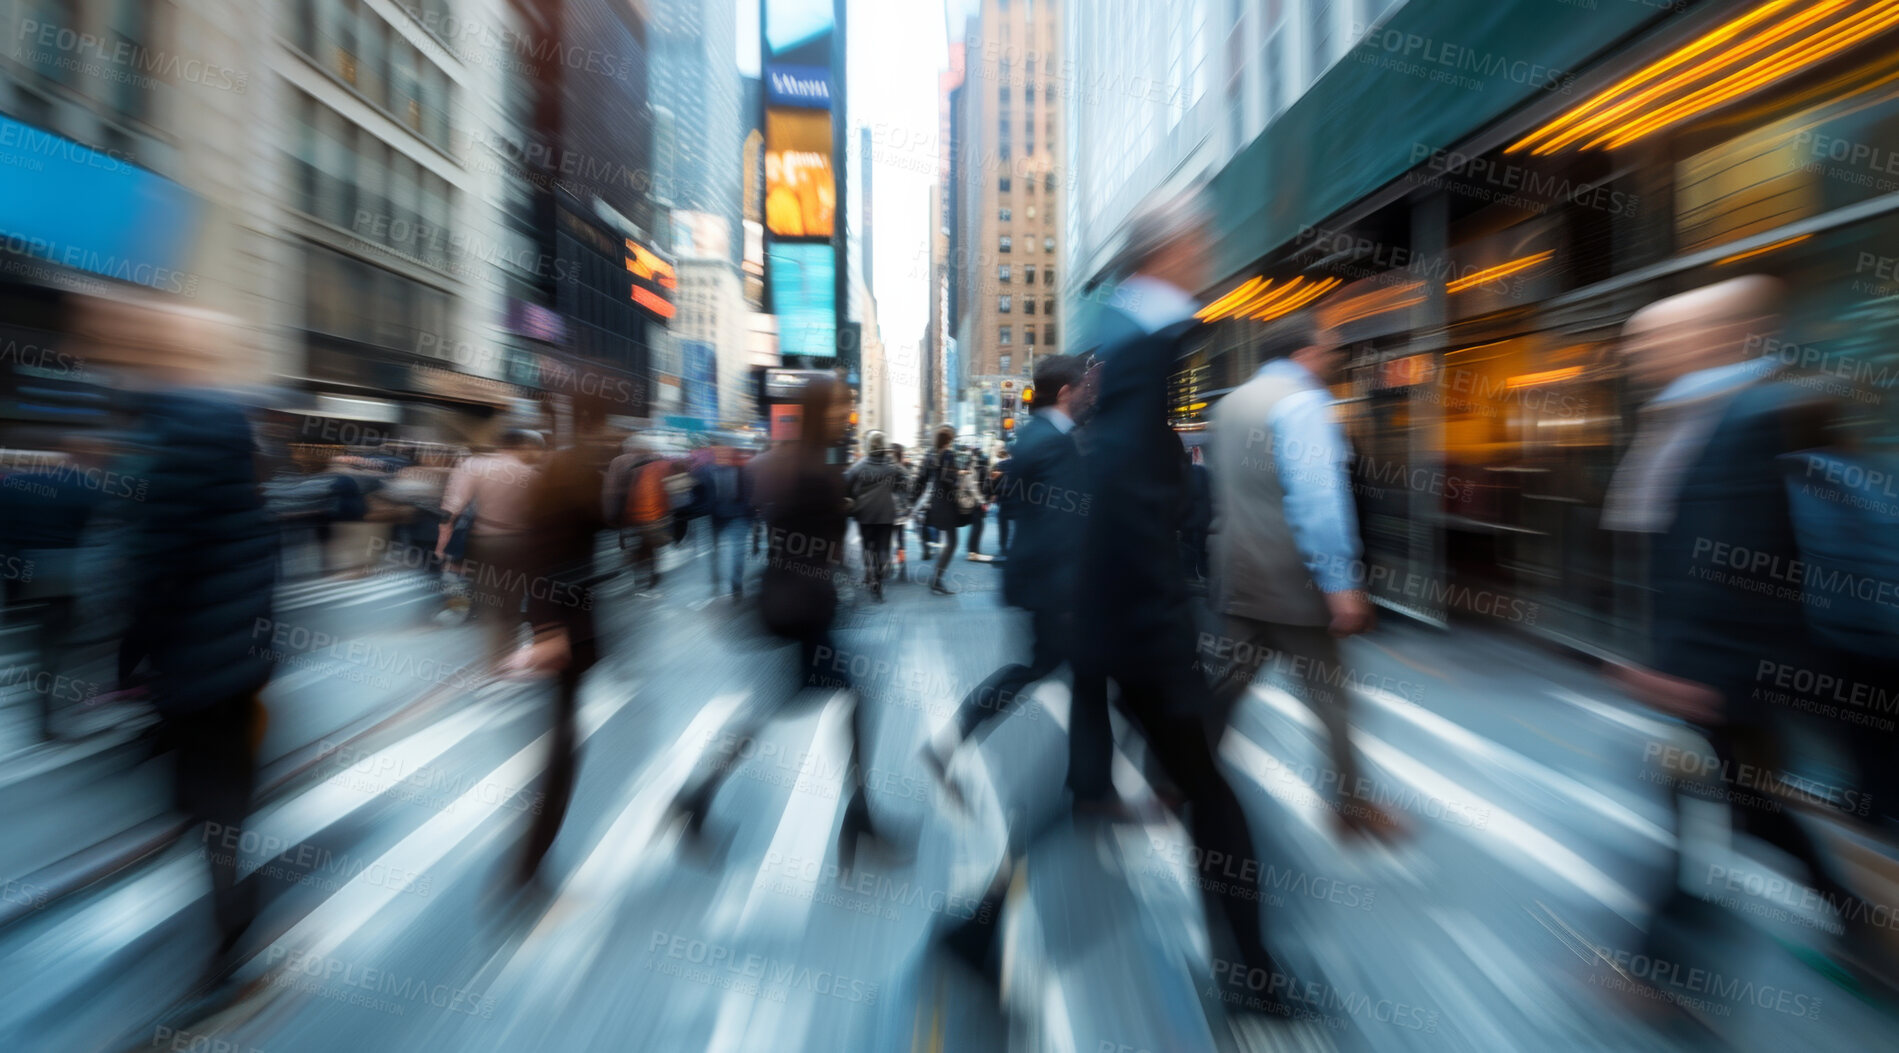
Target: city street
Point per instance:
(1536, 843)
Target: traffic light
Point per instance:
(1028, 395)
(1008, 424)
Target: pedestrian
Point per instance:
(723, 492)
(1196, 519)
(1134, 619)
(637, 499)
(873, 484)
(1044, 484)
(1288, 577)
(906, 501)
(565, 517)
(1005, 510)
(203, 555)
(802, 497)
(1702, 473)
(978, 464)
(941, 482)
(497, 487)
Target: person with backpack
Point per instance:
(905, 499)
(944, 493)
(873, 484)
(722, 493)
(637, 500)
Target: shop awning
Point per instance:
(1425, 79)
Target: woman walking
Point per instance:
(802, 497)
(940, 475)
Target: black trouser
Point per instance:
(1004, 523)
(1168, 704)
(975, 529)
(876, 548)
(1048, 649)
(214, 779)
(1748, 751)
(575, 616)
(946, 537)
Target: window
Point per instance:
(1002, 272)
(1048, 182)
(1005, 364)
(1048, 333)
(1048, 306)
(1003, 302)
(1005, 215)
(1003, 151)
(1028, 335)
(1028, 305)
(1028, 147)
(1005, 335)
(1048, 244)
(1048, 276)
(1002, 184)
(1003, 96)
(1005, 244)
(1028, 274)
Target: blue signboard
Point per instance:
(700, 378)
(808, 86)
(76, 207)
(804, 296)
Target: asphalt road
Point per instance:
(1508, 917)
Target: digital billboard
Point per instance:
(804, 297)
(655, 285)
(800, 31)
(800, 188)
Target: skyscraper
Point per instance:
(695, 75)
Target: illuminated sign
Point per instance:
(800, 188)
(798, 86)
(804, 297)
(654, 280)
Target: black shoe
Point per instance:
(937, 586)
(877, 590)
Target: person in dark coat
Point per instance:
(203, 555)
(1195, 520)
(1134, 622)
(565, 519)
(802, 497)
(936, 486)
(1703, 480)
(874, 484)
(1043, 488)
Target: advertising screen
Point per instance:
(803, 295)
(800, 189)
(800, 30)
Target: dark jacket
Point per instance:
(204, 555)
(1714, 621)
(726, 503)
(1041, 489)
(941, 468)
(804, 526)
(873, 484)
(1132, 602)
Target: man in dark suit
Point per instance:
(1703, 479)
(1042, 492)
(1134, 621)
